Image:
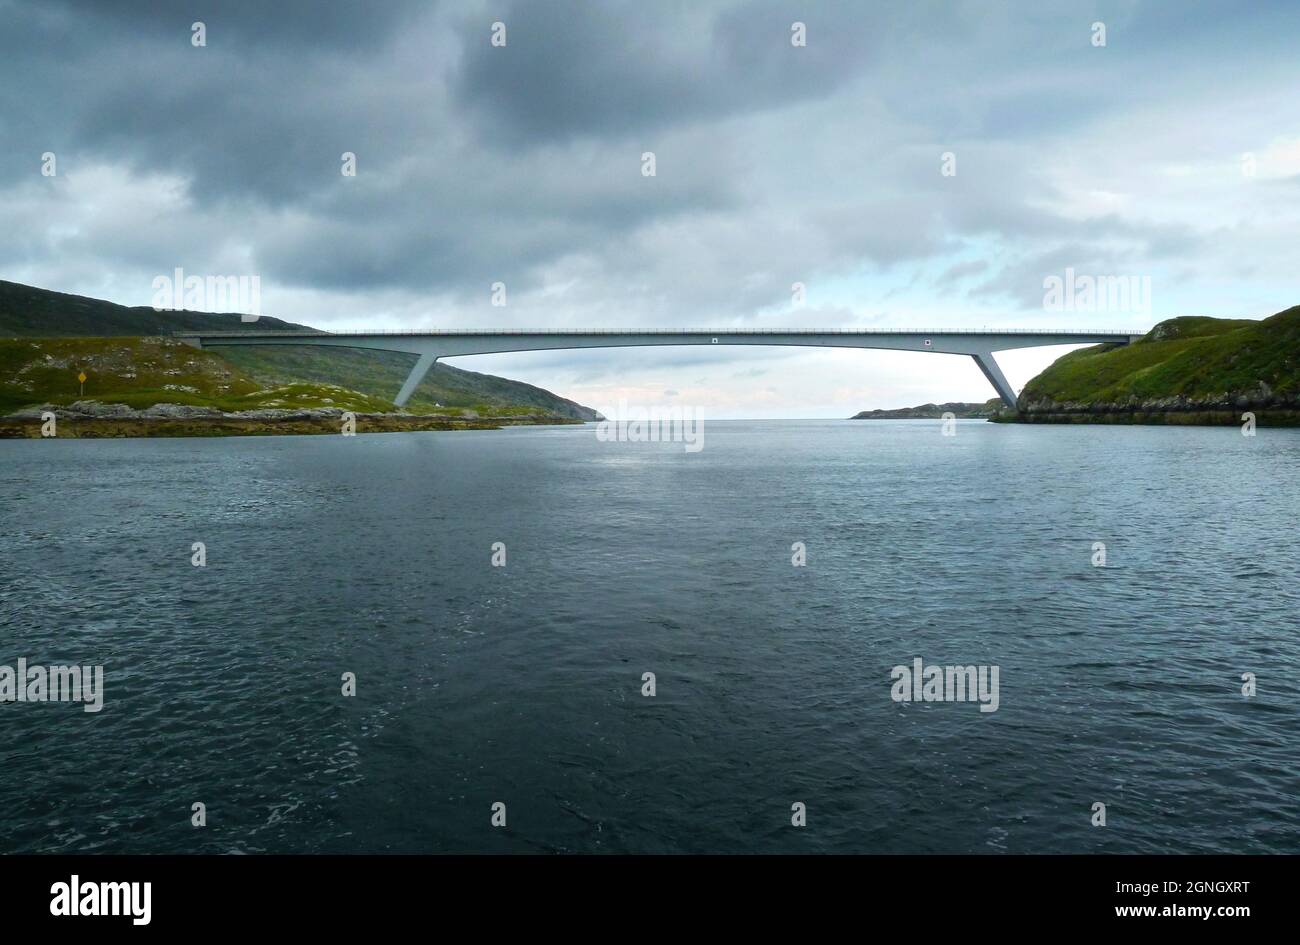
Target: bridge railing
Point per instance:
(718, 332)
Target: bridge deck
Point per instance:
(700, 332)
(431, 345)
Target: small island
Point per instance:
(962, 411)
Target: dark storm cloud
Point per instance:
(249, 121)
(572, 68)
(258, 112)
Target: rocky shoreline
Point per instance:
(94, 420)
(1223, 410)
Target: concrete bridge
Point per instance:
(432, 345)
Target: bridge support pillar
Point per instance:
(996, 377)
(421, 368)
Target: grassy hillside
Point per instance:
(141, 372)
(373, 376)
(381, 373)
(1197, 361)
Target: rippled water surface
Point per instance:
(522, 684)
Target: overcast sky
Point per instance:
(1172, 152)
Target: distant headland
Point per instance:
(962, 411)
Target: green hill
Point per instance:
(1185, 365)
(141, 372)
(382, 373)
(375, 376)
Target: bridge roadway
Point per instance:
(429, 346)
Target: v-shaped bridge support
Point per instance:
(996, 377)
(413, 379)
